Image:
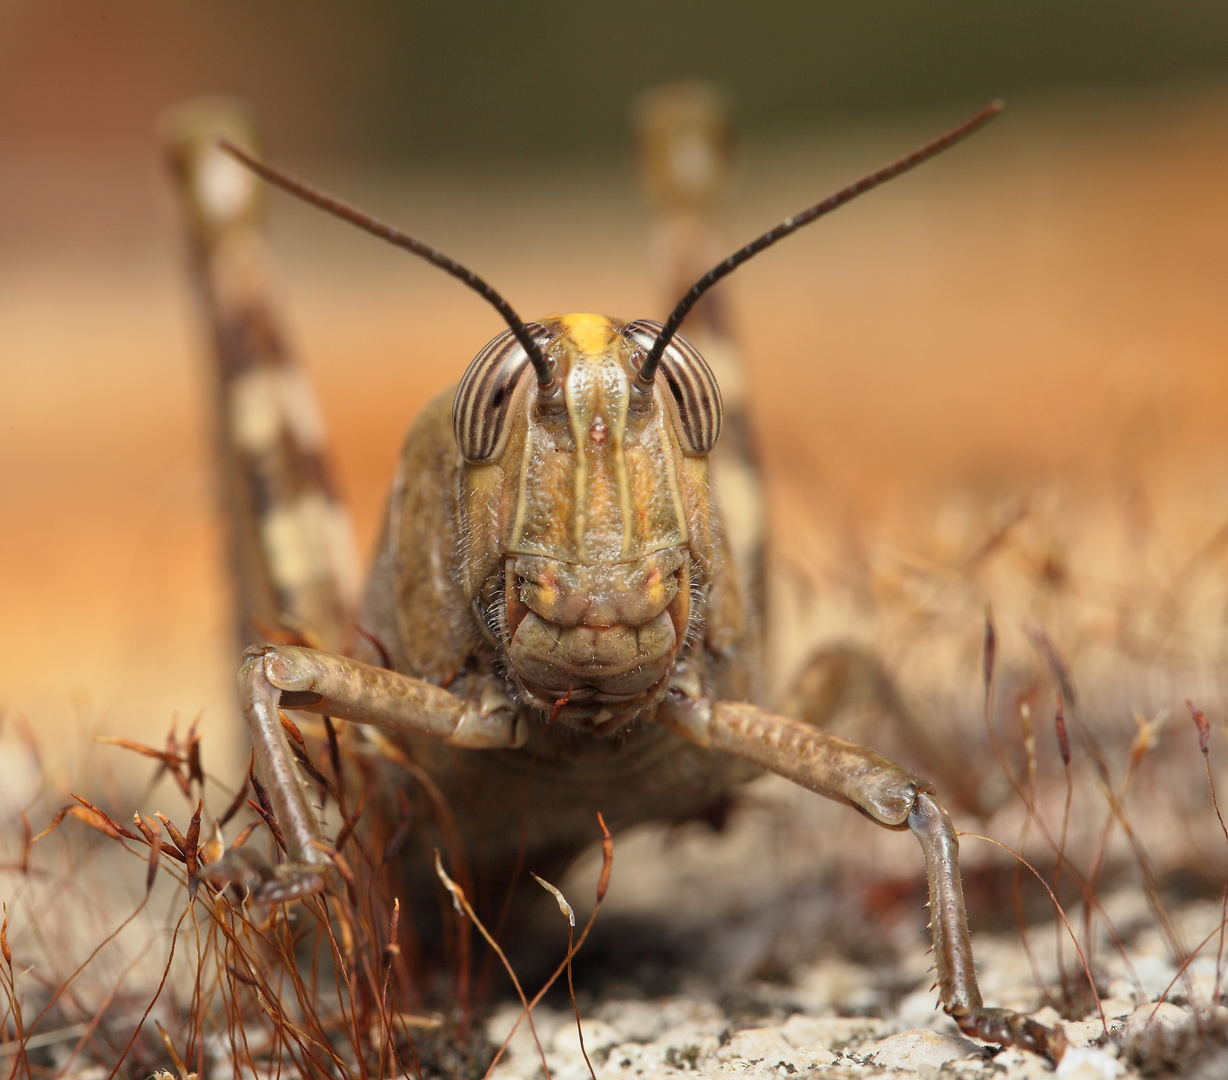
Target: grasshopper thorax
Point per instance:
(587, 531)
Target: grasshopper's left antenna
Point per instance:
(343, 210)
(790, 225)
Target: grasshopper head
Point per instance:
(587, 528)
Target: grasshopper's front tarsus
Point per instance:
(565, 609)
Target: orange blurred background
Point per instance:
(1035, 320)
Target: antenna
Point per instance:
(791, 224)
(334, 206)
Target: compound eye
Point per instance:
(493, 382)
(692, 387)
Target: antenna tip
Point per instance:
(996, 106)
(229, 146)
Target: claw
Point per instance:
(1013, 1029)
(265, 883)
(490, 718)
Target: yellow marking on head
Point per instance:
(592, 334)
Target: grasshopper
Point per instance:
(567, 593)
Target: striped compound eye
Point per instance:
(691, 384)
(482, 408)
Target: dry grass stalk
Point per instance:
(318, 988)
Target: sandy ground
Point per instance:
(999, 381)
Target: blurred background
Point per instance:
(999, 382)
(1026, 337)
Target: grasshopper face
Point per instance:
(587, 514)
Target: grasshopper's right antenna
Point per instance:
(543, 367)
(790, 225)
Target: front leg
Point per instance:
(842, 770)
(275, 677)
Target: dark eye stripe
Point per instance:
(482, 406)
(690, 382)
